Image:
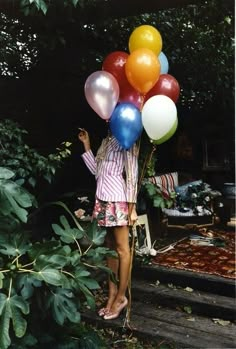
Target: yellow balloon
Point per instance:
(146, 36)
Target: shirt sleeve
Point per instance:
(90, 161)
(131, 168)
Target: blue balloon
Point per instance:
(126, 124)
(164, 63)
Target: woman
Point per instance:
(116, 173)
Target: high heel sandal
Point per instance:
(102, 311)
(115, 315)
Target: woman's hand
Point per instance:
(83, 136)
(132, 216)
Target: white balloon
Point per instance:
(159, 114)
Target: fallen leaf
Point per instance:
(221, 322)
(188, 309)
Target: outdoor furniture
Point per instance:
(194, 206)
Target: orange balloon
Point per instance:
(142, 69)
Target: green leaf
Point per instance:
(100, 253)
(14, 244)
(74, 2)
(84, 282)
(95, 233)
(5, 313)
(75, 258)
(158, 201)
(14, 199)
(42, 248)
(49, 275)
(27, 283)
(187, 309)
(3, 298)
(12, 308)
(89, 296)
(43, 7)
(82, 277)
(19, 323)
(64, 306)
(67, 234)
(6, 173)
(55, 260)
(110, 273)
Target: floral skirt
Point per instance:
(110, 214)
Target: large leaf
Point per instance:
(42, 248)
(88, 294)
(67, 234)
(5, 173)
(15, 199)
(98, 254)
(95, 233)
(5, 316)
(49, 275)
(26, 283)
(55, 261)
(75, 258)
(18, 306)
(12, 308)
(85, 283)
(14, 244)
(64, 306)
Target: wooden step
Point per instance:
(184, 278)
(152, 323)
(200, 302)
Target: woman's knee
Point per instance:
(123, 251)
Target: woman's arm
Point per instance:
(87, 156)
(131, 169)
(83, 136)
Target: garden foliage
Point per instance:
(44, 282)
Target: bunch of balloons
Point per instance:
(134, 91)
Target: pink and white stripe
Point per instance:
(112, 184)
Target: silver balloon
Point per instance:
(102, 93)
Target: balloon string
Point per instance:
(146, 163)
(142, 101)
(128, 312)
(127, 321)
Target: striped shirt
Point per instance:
(109, 166)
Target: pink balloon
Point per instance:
(102, 93)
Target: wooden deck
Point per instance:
(184, 309)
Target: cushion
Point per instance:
(183, 189)
(166, 182)
(190, 213)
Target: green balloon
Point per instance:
(168, 135)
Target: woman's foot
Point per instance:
(106, 309)
(103, 311)
(117, 308)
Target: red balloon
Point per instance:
(114, 63)
(129, 95)
(166, 85)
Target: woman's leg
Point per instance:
(113, 264)
(121, 235)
